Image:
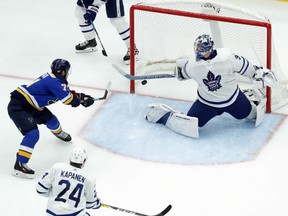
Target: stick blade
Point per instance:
(104, 53)
(165, 211)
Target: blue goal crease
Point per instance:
(223, 140)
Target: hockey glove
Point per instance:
(97, 204)
(178, 73)
(90, 14)
(76, 101)
(266, 76)
(85, 100)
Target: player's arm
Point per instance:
(92, 200)
(44, 185)
(70, 97)
(256, 74)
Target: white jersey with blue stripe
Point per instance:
(216, 77)
(69, 189)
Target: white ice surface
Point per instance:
(33, 33)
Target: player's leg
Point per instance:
(116, 14)
(241, 108)
(257, 98)
(175, 121)
(89, 45)
(26, 124)
(53, 124)
(203, 112)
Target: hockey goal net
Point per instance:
(165, 30)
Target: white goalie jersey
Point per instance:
(216, 78)
(69, 190)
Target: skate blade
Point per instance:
(19, 174)
(88, 50)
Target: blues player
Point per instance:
(28, 108)
(86, 11)
(215, 71)
(68, 187)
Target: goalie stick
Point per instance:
(142, 77)
(105, 93)
(165, 211)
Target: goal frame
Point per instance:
(146, 8)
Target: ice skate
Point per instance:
(126, 58)
(22, 170)
(86, 46)
(157, 111)
(63, 136)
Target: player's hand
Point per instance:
(90, 14)
(97, 204)
(85, 100)
(178, 73)
(265, 75)
(76, 100)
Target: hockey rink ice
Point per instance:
(238, 170)
(140, 139)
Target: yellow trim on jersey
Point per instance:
(24, 154)
(68, 101)
(28, 99)
(52, 75)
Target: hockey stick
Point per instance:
(165, 211)
(105, 94)
(91, 22)
(103, 49)
(142, 77)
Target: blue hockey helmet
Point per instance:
(58, 65)
(202, 45)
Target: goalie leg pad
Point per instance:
(157, 111)
(183, 124)
(258, 101)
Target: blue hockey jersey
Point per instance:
(45, 90)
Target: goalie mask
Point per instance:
(78, 156)
(59, 65)
(202, 45)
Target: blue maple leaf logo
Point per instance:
(212, 82)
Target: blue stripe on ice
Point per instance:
(120, 127)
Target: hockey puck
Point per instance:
(144, 82)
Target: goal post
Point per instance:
(165, 30)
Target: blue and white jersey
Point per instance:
(87, 3)
(46, 90)
(69, 189)
(216, 77)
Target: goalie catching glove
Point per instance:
(264, 76)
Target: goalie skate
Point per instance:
(86, 46)
(157, 111)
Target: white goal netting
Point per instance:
(165, 31)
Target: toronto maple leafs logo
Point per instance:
(212, 82)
